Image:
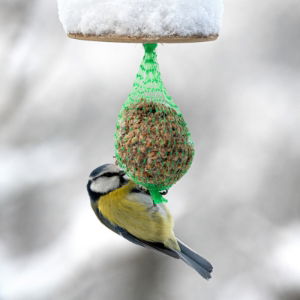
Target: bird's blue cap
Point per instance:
(99, 170)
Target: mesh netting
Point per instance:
(152, 142)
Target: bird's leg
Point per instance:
(163, 193)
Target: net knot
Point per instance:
(149, 47)
(157, 196)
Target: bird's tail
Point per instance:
(200, 264)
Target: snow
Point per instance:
(141, 17)
(284, 258)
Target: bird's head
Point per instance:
(105, 179)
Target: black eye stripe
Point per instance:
(110, 174)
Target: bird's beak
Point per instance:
(122, 173)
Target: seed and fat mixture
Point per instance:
(154, 143)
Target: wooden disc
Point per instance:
(143, 39)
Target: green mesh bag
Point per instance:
(152, 142)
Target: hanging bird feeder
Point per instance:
(152, 141)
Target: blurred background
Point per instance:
(239, 205)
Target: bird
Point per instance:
(128, 210)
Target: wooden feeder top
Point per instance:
(143, 39)
(142, 21)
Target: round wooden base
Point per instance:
(143, 39)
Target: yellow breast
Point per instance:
(142, 222)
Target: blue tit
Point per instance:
(129, 211)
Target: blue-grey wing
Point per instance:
(156, 246)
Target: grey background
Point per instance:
(239, 203)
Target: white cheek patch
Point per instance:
(105, 184)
